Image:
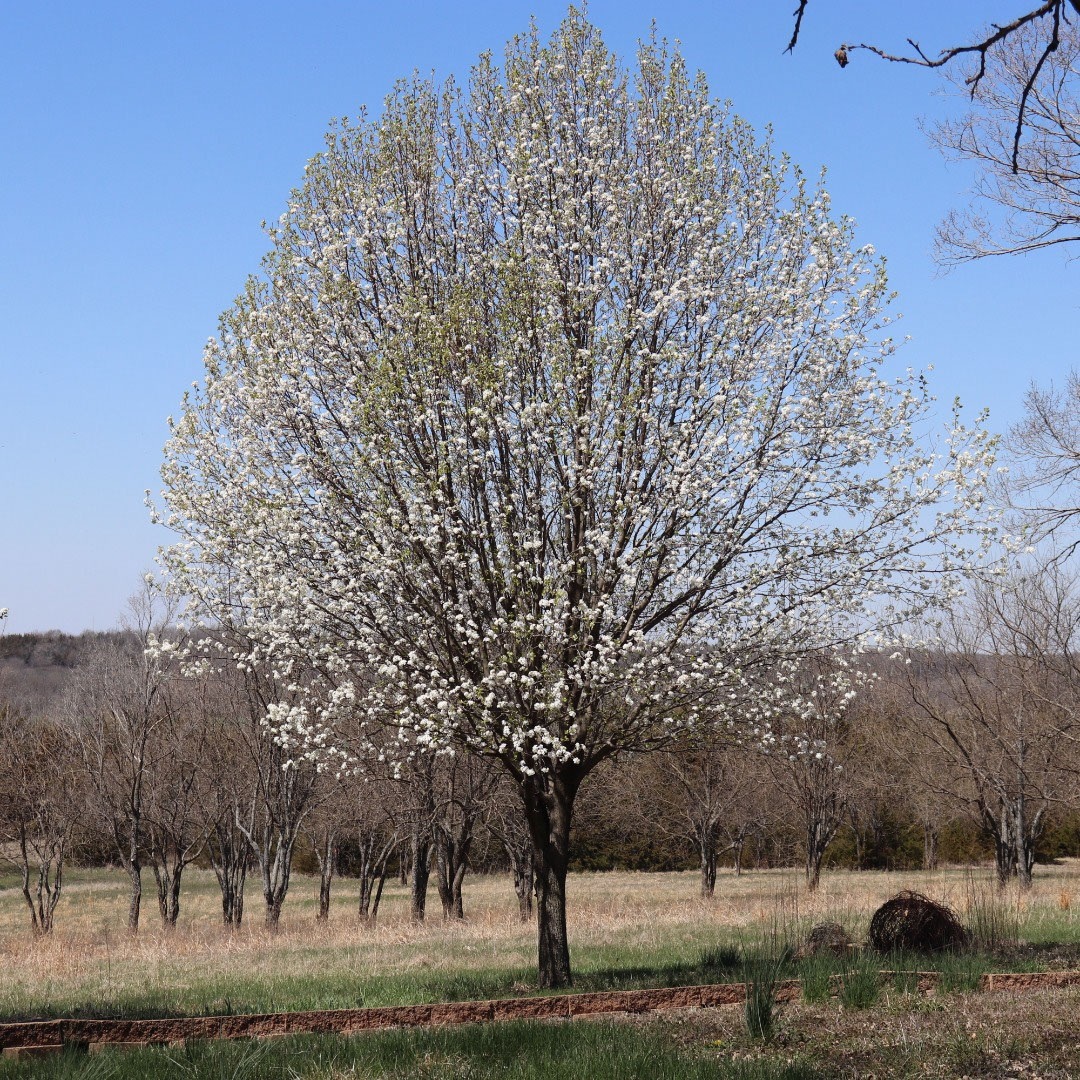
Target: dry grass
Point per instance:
(651, 923)
(1029, 1035)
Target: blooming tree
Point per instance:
(557, 410)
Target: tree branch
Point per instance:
(981, 47)
(798, 16)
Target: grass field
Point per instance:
(626, 930)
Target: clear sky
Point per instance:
(144, 143)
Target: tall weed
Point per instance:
(763, 966)
(993, 922)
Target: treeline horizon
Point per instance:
(124, 766)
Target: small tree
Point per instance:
(119, 707)
(807, 757)
(378, 835)
(506, 823)
(707, 793)
(176, 828)
(228, 786)
(39, 808)
(559, 409)
(463, 796)
(995, 701)
(1043, 484)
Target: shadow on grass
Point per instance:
(721, 964)
(513, 1051)
(334, 991)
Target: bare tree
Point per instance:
(1029, 180)
(1043, 483)
(353, 830)
(39, 808)
(229, 785)
(325, 826)
(465, 786)
(119, 706)
(996, 700)
(505, 821)
(810, 754)
(378, 835)
(176, 828)
(705, 793)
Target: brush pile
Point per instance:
(911, 922)
(825, 939)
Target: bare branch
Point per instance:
(798, 14)
(1051, 46)
(997, 34)
(1028, 182)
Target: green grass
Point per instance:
(961, 972)
(191, 992)
(762, 969)
(860, 982)
(525, 1050)
(274, 992)
(816, 975)
(627, 931)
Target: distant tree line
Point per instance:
(142, 758)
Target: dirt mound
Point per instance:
(911, 922)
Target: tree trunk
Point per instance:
(1026, 835)
(326, 876)
(524, 882)
(326, 854)
(817, 840)
(134, 871)
(737, 855)
(419, 858)
(930, 846)
(549, 806)
(451, 864)
(228, 852)
(813, 868)
(519, 853)
(275, 886)
(273, 848)
(707, 851)
(459, 878)
(1025, 862)
(167, 880)
(1004, 848)
(276, 871)
(373, 867)
(371, 889)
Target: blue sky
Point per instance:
(143, 144)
